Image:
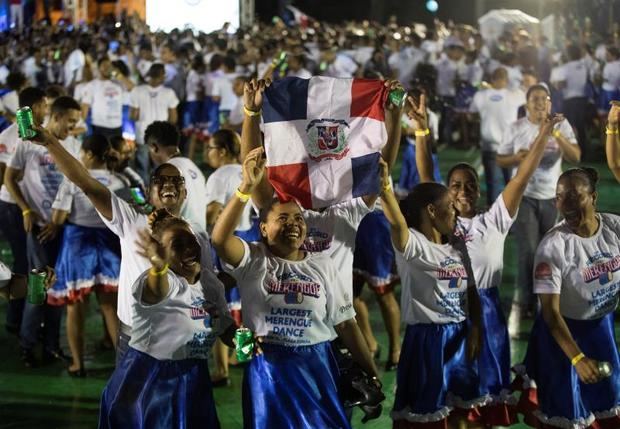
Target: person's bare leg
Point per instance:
(107, 303)
(75, 334)
(390, 311)
(363, 321)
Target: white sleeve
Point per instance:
(413, 248)
(213, 291)
(133, 98)
(249, 266)
(547, 267)
(216, 190)
(4, 153)
(353, 211)
(558, 74)
(498, 216)
(64, 196)
(567, 131)
(339, 303)
(174, 285)
(18, 159)
(474, 107)
(87, 96)
(507, 146)
(124, 217)
(173, 101)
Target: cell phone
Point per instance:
(138, 196)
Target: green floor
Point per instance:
(48, 398)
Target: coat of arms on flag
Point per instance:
(323, 138)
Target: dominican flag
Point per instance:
(323, 138)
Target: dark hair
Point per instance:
(588, 174)
(574, 52)
(55, 91)
(420, 197)
(215, 62)
(160, 167)
(227, 139)
(230, 63)
(264, 211)
(63, 104)
(117, 142)
(121, 67)
(499, 73)
(462, 166)
(30, 96)
(102, 60)
(15, 80)
(537, 87)
(163, 132)
(98, 145)
(156, 70)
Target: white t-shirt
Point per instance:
(301, 73)
(143, 67)
(153, 103)
(72, 199)
(498, 108)
(405, 63)
(343, 66)
(484, 236)
(41, 179)
(74, 66)
(193, 85)
(575, 76)
(195, 205)
(105, 98)
(521, 135)
(125, 223)
(184, 325)
(80, 93)
(10, 102)
(222, 86)
(611, 76)
(434, 282)
(221, 187)
(9, 139)
(291, 303)
(447, 72)
(333, 232)
(583, 271)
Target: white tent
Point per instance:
(495, 22)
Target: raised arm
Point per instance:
(570, 151)
(612, 142)
(251, 135)
(228, 246)
(73, 170)
(423, 153)
(513, 193)
(398, 225)
(157, 286)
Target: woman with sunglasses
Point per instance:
(163, 379)
(572, 354)
(293, 300)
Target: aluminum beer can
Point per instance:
(398, 97)
(25, 121)
(244, 344)
(36, 287)
(604, 369)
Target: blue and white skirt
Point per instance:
(373, 260)
(89, 258)
(293, 387)
(435, 379)
(192, 115)
(553, 396)
(147, 393)
(494, 362)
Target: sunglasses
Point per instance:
(160, 180)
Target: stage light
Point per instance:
(432, 6)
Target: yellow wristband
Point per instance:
(243, 197)
(422, 133)
(556, 133)
(251, 112)
(386, 188)
(26, 212)
(610, 131)
(574, 361)
(163, 271)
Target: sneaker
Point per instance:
(58, 354)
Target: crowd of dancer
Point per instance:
(107, 196)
